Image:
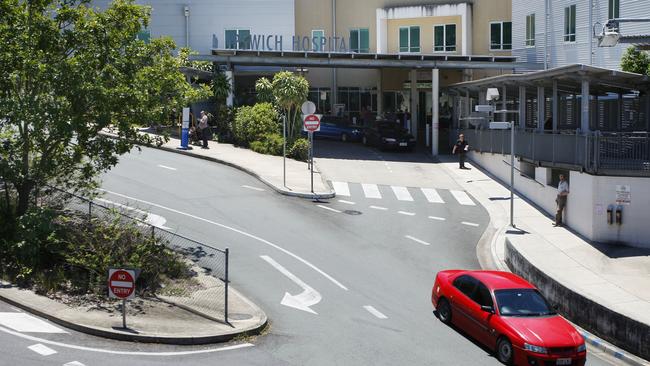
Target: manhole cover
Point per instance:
(236, 316)
(352, 212)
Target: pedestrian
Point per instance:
(562, 193)
(462, 147)
(204, 129)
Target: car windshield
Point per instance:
(522, 302)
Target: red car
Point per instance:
(509, 315)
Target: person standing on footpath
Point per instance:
(203, 128)
(462, 147)
(562, 193)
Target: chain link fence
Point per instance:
(204, 292)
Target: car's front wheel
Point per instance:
(444, 311)
(504, 351)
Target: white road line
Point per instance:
(371, 190)
(432, 195)
(15, 309)
(462, 198)
(22, 322)
(329, 208)
(254, 188)
(406, 213)
(416, 240)
(99, 350)
(74, 363)
(375, 312)
(149, 218)
(469, 223)
(378, 208)
(295, 256)
(308, 297)
(347, 202)
(341, 188)
(166, 167)
(437, 218)
(42, 350)
(402, 193)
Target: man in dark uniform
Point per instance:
(462, 147)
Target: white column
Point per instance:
(556, 105)
(230, 100)
(541, 108)
(522, 107)
(584, 123)
(435, 113)
(414, 103)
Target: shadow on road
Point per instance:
(357, 151)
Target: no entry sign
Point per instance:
(121, 283)
(311, 122)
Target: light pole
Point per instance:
(284, 150)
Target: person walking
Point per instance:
(203, 128)
(562, 193)
(462, 147)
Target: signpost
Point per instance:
(311, 124)
(121, 285)
(185, 129)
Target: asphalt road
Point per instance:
(373, 266)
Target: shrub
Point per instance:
(251, 123)
(299, 150)
(223, 122)
(271, 144)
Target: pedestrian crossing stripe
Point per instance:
(401, 193)
(462, 198)
(371, 190)
(341, 188)
(432, 195)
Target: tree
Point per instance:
(68, 71)
(264, 90)
(636, 61)
(290, 91)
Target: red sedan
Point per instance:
(509, 315)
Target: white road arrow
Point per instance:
(308, 297)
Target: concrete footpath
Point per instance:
(603, 289)
(267, 168)
(155, 320)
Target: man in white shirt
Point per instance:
(562, 193)
(203, 127)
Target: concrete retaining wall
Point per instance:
(611, 326)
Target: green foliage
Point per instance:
(271, 144)
(636, 61)
(223, 122)
(251, 123)
(68, 71)
(264, 90)
(220, 87)
(299, 150)
(289, 91)
(184, 60)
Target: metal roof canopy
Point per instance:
(569, 79)
(361, 60)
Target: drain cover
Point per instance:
(352, 212)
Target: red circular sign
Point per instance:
(311, 122)
(121, 284)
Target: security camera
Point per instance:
(492, 94)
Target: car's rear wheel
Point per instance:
(344, 137)
(505, 351)
(444, 311)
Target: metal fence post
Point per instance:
(225, 312)
(90, 211)
(153, 232)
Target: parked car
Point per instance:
(509, 315)
(338, 128)
(388, 135)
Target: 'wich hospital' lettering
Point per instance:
(272, 42)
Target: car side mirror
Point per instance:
(487, 309)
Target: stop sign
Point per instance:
(121, 283)
(311, 122)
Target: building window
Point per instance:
(409, 39)
(500, 36)
(530, 30)
(238, 39)
(614, 9)
(359, 40)
(316, 40)
(444, 38)
(570, 23)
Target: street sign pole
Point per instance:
(124, 313)
(512, 173)
(311, 159)
(284, 151)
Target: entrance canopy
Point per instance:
(362, 60)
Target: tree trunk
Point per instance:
(24, 191)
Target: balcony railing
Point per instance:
(597, 152)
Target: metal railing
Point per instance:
(602, 153)
(205, 294)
